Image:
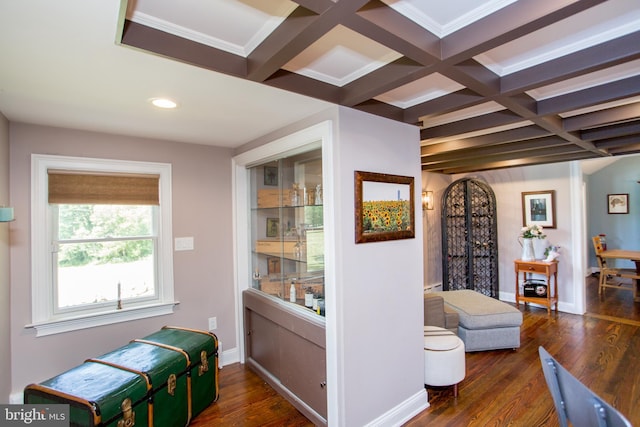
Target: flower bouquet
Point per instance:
(532, 232)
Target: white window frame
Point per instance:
(43, 316)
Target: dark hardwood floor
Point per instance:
(245, 400)
(501, 388)
(617, 305)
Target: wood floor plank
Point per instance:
(501, 388)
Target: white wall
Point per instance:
(379, 285)
(5, 340)
(508, 185)
(201, 181)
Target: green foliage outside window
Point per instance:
(98, 222)
(313, 216)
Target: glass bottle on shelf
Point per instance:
(295, 196)
(308, 298)
(292, 292)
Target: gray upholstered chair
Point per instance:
(437, 314)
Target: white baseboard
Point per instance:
(228, 357)
(507, 296)
(434, 287)
(403, 412)
(16, 398)
(562, 306)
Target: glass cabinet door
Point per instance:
(287, 238)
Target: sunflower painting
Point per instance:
(385, 215)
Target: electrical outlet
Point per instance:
(213, 323)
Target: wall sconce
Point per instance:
(6, 214)
(427, 200)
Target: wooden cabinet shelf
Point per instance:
(543, 268)
(278, 208)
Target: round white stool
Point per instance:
(444, 358)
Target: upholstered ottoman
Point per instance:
(444, 355)
(485, 323)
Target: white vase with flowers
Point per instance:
(528, 234)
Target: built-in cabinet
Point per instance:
(284, 306)
(287, 348)
(287, 233)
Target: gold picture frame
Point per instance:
(384, 207)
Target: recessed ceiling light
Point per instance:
(163, 103)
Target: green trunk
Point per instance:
(202, 348)
(95, 393)
(166, 372)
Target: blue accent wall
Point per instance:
(622, 230)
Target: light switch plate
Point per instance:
(184, 243)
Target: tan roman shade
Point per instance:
(71, 187)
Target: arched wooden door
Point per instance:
(470, 237)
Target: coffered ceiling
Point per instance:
(492, 84)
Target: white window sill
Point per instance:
(100, 319)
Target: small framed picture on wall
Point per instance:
(270, 175)
(273, 265)
(538, 207)
(273, 227)
(618, 203)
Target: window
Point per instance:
(101, 242)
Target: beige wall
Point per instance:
(432, 238)
(201, 185)
(508, 185)
(5, 354)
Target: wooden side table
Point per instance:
(527, 268)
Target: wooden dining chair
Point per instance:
(609, 276)
(575, 403)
